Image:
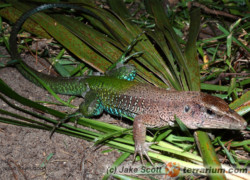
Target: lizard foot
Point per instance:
(142, 149)
(76, 115)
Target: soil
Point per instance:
(23, 150)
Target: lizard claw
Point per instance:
(57, 126)
(142, 149)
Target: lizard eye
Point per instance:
(186, 108)
(210, 112)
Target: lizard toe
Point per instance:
(142, 150)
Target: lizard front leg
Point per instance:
(91, 105)
(139, 131)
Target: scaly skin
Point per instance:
(148, 105)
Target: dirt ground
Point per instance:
(23, 150)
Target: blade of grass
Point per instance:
(230, 157)
(213, 87)
(238, 102)
(208, 154)
(191, 50)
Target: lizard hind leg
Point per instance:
(119, 69)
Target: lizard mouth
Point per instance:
(237, 121)
(231, 121)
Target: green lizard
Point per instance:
(117, 94)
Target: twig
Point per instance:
(224, 75)
(18, 168)
(37, 59)
(212, 11)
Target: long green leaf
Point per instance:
(191, 50)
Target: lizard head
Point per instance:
(212, 113)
